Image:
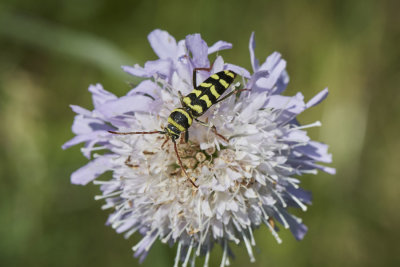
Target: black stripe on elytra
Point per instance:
(218, 87)
(201, 103)
(225, 77)
(210, 96)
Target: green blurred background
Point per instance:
(50, 51)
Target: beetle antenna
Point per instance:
(180, 164)
(127, 133)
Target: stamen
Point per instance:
(302, 206)
(284, 222)
(178, 254)
(280, 198)
(152, 241)
(188, 254)
(274, 233)
(225, 247)
(206, 260)
(314, 124)
(253, 241)
(108, 195)
(131, 232)
(248, 247)
(165, 239)
(266, 221)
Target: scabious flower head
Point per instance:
(245, 173)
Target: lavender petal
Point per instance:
(163, 44)
(92, 170)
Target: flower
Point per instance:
(245, 171)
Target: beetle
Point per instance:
(193, 105)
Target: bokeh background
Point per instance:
(50, 51)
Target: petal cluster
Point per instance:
(246, 171)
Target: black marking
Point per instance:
(219, 88)
(174, 129)
(226, 77)
(186, 136)
(180, 119)
(194, 100)
(211, 97)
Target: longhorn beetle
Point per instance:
(194, 105)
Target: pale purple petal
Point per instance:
(83, 125)
(294, 104)
(80, 110)
(184, 72)
(109, 188)
(303, 195)
(137, 71)
(324, 168)
(298, 229)
(274, 75)
(318, 98)
(98, 136)
(163, 44)
(86, 138)
(146, 87)
(296, 136)
(276, 68)
(127, 104)
(254, 78)
(287, 107)
(256, 104)
(253, 59)
(218, 65)
(92, 170)
(281, 83)
(316, 151)
(161, 67)
(199, 50)
(218, 46)
(100, 95)
(181, 50)
(239, 70)
(126, 226)
(272, 61)
(77, 139)
(304, 164)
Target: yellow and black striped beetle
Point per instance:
(195, 104)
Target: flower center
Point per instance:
(193, 159)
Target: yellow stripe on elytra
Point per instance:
(196, 92)
(214, 92)
(208, 102)
(224, 83)
(205, 85)
(187, 101)
(197, 108)
(182, 111)
(215, 77)
(177, 125)
(229, 73)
